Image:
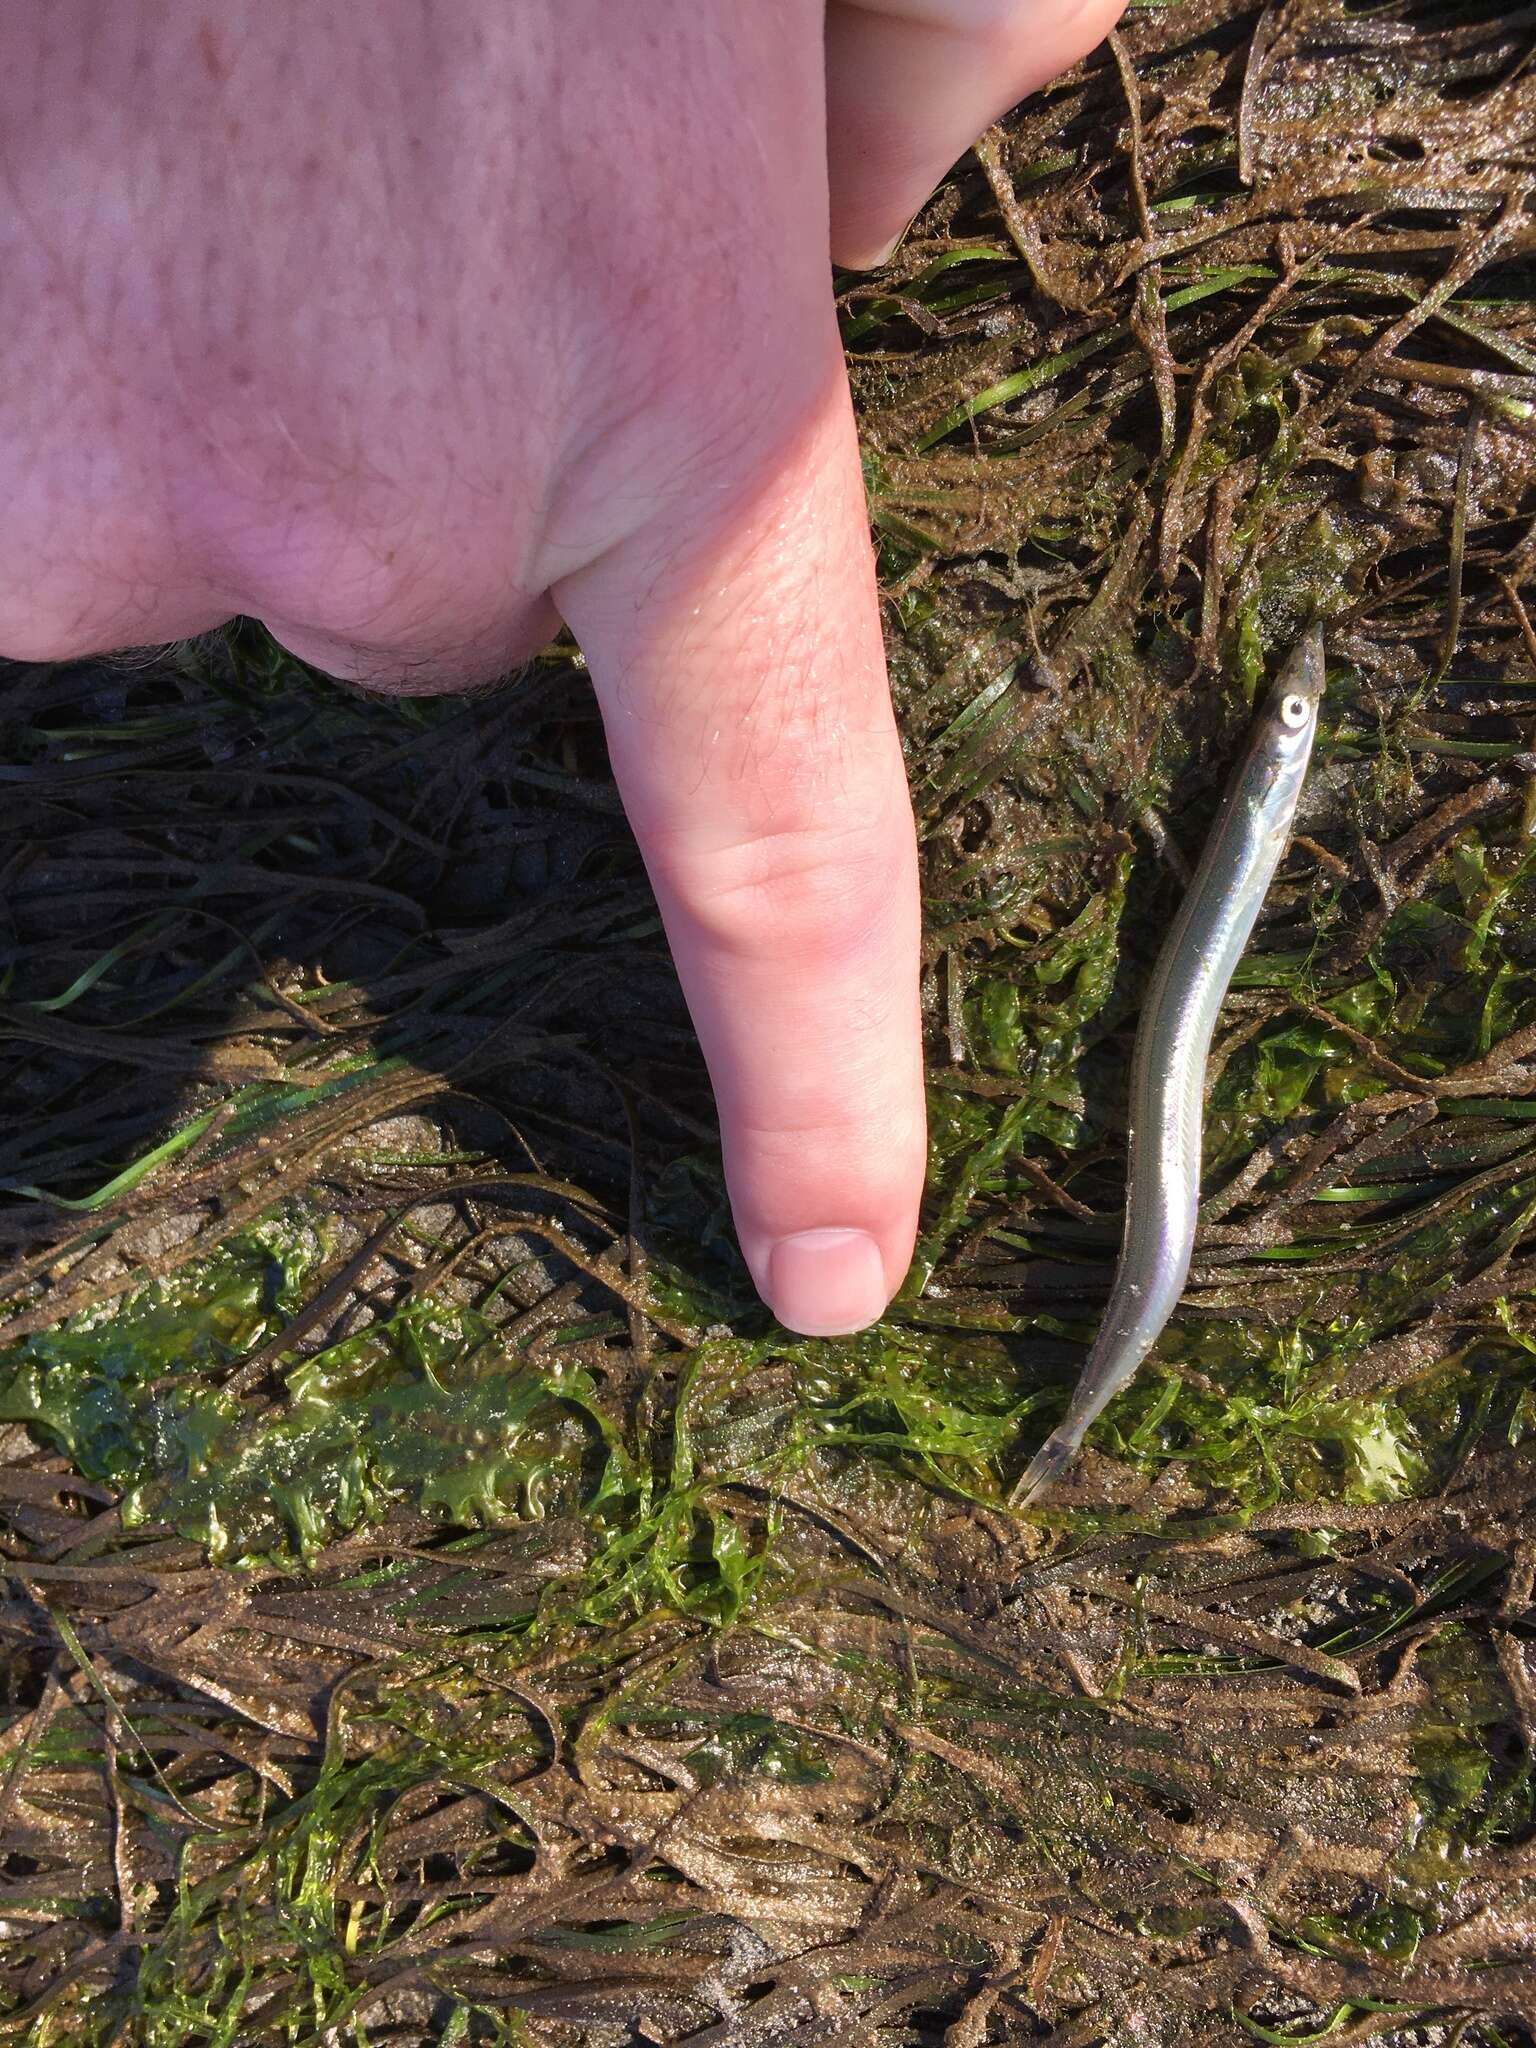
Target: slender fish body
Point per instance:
(1173, 1042)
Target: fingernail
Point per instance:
(827, 1283)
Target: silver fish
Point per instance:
(1173, 1042)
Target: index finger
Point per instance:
(738, 662)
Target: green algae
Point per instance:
(131, 1391)
(1473, 1785)
(430, 1407)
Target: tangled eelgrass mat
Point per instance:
(439, 1607)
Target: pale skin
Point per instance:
(417, 328)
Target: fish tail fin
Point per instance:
(1053, 1456)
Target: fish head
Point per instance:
(1289, 725)
(1297, 697)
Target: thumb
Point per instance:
(738, 663)
(912, 83)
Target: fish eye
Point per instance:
(1294, 711)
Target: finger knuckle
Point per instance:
(814, 896)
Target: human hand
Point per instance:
(413, 329)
